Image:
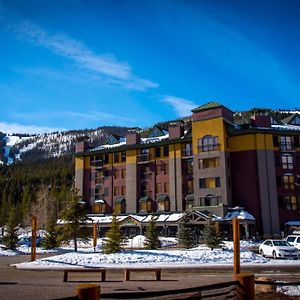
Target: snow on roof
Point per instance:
(101, 147)
(240, 214)
(175, 217)
(138, 218)
(148, 218)
(162, 218)
(154, 139)
(286, 127)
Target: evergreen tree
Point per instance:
(211, 235)
(185, 233)
(152, 241)
(113, 237)
(74, 216)
(10, 239)
(51, 240)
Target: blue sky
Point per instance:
(76, 64)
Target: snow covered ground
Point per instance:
(199, 256)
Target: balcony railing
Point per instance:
(143, 158)
(97, 164)
(287, 147)
(206, 201)
(207, 148)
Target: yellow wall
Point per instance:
(79, 163)
(213, 127)
(131, 156)
(255, 141)
(176, 153)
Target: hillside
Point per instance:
(31, 147)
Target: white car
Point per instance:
(294, 240)
(278, 249)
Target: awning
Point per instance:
(145, 199)
(162, 198)
(100, 201)
(293, 223)
(118, 200)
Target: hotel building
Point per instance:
(205, 163)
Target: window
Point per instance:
(207, 163)
(123, 173)
(286, 143)
(208, 143)
(116, 174)
(119, 205)
(291, 203)
(166, 187)
(210, 200)
(289, 181)
(163, 203)
(187, 150)
(116, 157)
(212, 182)
(98, 208)
(190, 186)
(287, 161)
(189, 167)
(123, 156)
(162, 169)
(123, 190)
(158, 188)
(144, 155)
(116, 191)
(157, 152)
(166, 151)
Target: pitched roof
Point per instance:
(289, 119)
(208, 105)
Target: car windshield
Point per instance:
(281, 243)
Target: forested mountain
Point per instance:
(37, 171)
(31, 147)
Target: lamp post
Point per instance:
(33, 237)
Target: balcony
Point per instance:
(286, 147)
(143, 158)
(99, 180)
(187, 153)
(208, 148)
(97, 164)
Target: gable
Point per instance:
(112, 140)
(156, 132)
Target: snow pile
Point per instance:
(192, 257)
(289, 290)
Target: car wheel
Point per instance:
(274, 254)
(262, 252)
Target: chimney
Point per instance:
(81, 145)
(175, 130)
(132, 137)
(261, 121)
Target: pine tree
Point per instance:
(185, 233)
(10, 239)
(74, 216)
(113, 237)
(211, 235)
(51, 240)
(152, 241)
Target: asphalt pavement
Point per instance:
(48, 284)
